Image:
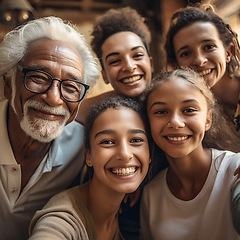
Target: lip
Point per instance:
(177, 138)
(204, 72)
(130, 80)
(44, 115)
(123, 171)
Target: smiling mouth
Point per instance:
(124, 171)
(48, 115)
(205, 72)
(177, 139)
(131, 79)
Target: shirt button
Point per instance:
(14, 190)
(14, 169)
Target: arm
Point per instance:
(235, 206)
(57, 220)
(56, 225)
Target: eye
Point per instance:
(114, 62)
(160, 112)
(138, 55)
(71, 86)
(106, 142)
(190, 110)
(209, 47)
(37, 78)
(136, 140)
(184, 54)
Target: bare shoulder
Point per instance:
(86, 103)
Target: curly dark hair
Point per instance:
(203, 13)
(119, 20)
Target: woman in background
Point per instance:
(200, 39)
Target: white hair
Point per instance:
(15, 44)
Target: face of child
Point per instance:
(179, 116)
(119, 150)
(127, 66)
(203, 51)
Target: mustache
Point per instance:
(57, 110)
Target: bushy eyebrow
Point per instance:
(47, 69)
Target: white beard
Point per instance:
(40, 129)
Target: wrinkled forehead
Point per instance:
(50, 53)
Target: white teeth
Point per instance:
(123, 171)
(177, 138)
(131, 79)
(205, 72)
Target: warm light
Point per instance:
(23, 16)
(7, 16)
(15, 12)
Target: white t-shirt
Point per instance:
(206, 217)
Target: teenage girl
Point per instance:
(190, 198)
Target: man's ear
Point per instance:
(208, 123)
(7, 87)
(104, 76)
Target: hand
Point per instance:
(237, 172)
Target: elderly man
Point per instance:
(46, 68)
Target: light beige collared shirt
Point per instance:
(56, 172)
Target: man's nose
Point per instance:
(53, 96)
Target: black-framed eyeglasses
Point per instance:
(38, 81)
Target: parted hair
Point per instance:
(203, 13)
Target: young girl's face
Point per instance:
(203, 51)
(178, 116)
(119, 150)
(127, 65)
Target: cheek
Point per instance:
(155, 124)
(73, 109)
(155, 132)
(184, 63)
(111, 72)
(199, 125)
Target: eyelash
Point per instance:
(110, 141)
(207, 47)
(163, 111)
(135, 56)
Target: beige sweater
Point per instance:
(65, 216)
